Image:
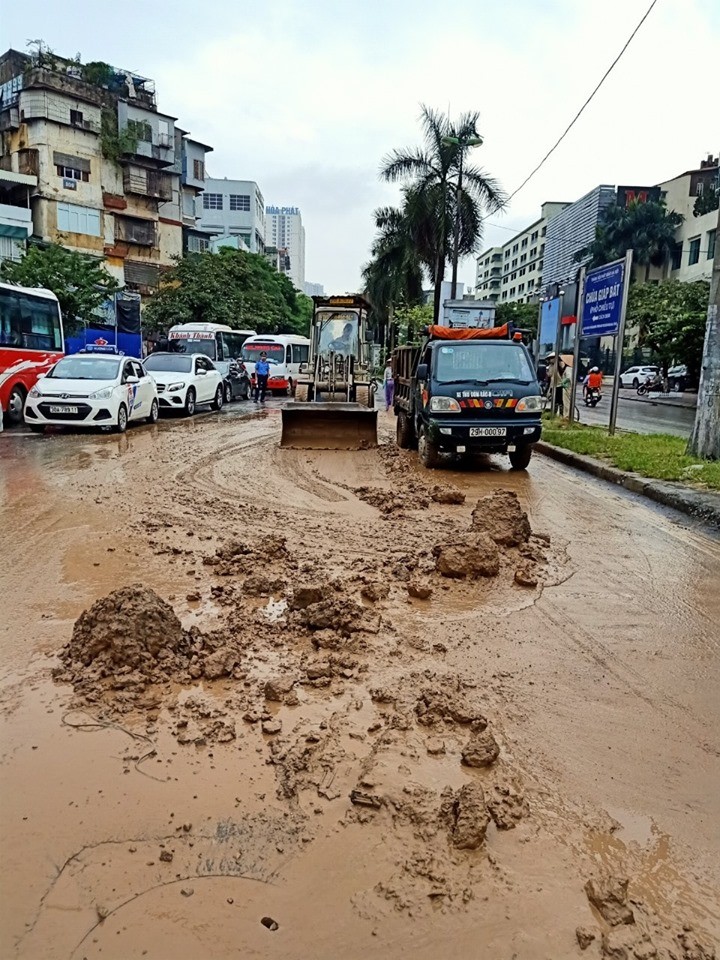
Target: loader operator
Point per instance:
(344, 343)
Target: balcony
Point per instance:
(15, 221)
(62, 83)
(147, 183)
(10, 118)
(135, 230)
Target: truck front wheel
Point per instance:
(520, 457)
(405, 432)
(427, 450)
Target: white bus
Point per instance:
(217, 341)
(285, 353)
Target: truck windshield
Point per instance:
(482, 362)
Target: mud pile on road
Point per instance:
(132, 638)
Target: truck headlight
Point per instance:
(104, 394)
(444, 405)
(529, 405)
(174, 387)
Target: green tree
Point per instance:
(232, 286)
(671, 320)
(410, 322)
(394, 274)
(522, 315)
(646, 228)
(434, 198)
(706, 202)
(80, 282)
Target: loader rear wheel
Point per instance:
(302, 391)
(405, 432)
(363, 396)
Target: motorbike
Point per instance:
(592, 396)
(653, 384)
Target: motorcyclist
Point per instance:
(594, 379)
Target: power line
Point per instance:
(582, 108)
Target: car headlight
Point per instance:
(174, 387)
(529, 405)
(103, 394)
(34, 392)
(444, 405)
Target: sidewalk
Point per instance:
(701, 504)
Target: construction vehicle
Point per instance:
(467, 391)
(334, 405)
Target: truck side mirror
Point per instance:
(422, 371)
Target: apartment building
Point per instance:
(233, 208)
(571, 230)
(112, 172)
(284, 229)
(695, 238)
(513, 272)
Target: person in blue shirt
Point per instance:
(262, 372)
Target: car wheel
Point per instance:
(217, 403)
(228, 393)
(427, 450)
(154, 412)
(16, 402)
(122, 419)
(520, 458)
(635, 383)
(189, 402)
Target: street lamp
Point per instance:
(461, 142)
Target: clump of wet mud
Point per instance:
(132, 638)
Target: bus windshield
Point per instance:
(188, 345)
(29, 322)
(275, 352)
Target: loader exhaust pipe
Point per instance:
(328, 426)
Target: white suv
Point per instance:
(634, 376)
(185, 380)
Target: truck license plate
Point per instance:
(488, 431)
(63, 409)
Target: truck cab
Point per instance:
(466, 392)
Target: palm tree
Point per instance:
(394, 275)
(647, 228)
(443, 187)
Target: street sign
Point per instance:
(602, 301)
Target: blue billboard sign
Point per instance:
(602, 301)
(549, 319)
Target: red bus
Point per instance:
(31, 341)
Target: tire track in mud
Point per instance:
(626, 676)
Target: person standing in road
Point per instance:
(389, 384)
(262, 372)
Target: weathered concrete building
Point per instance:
(115, 177)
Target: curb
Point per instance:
(695, 503)
(677, 404)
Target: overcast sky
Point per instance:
(307, 96)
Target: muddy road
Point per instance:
(332, 709)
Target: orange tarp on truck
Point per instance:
(471, 333)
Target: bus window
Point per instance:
(288, 354)
(300, 352)
(29, 322)
(233, 344)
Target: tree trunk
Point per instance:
(439, 277)
(705, 439)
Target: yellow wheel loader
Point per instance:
(334, 404)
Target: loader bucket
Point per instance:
(328, 426)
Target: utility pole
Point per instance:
(705, 439)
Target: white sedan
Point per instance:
(185, 380)
(92, 390)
